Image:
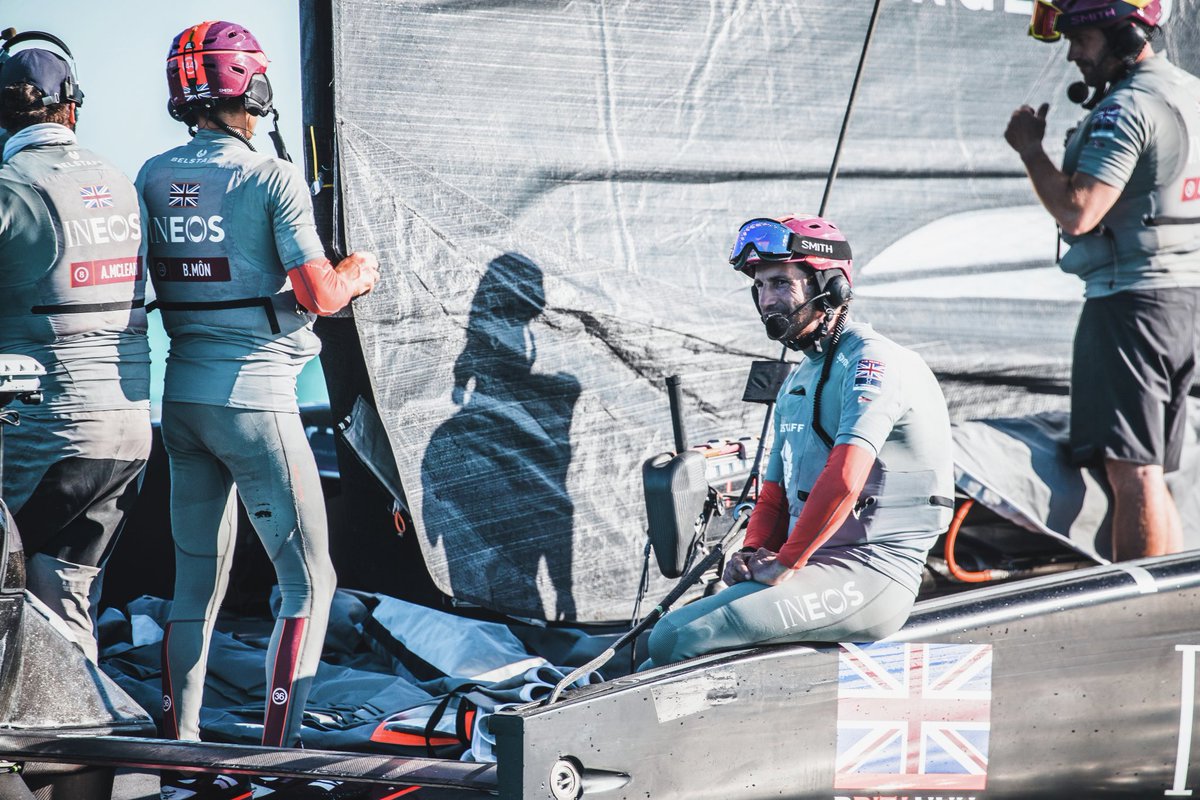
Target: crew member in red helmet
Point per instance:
(1127, 200)
(239, 274)
(860, 480)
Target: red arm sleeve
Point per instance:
(832, 499)
(319, 287)
(768, 524)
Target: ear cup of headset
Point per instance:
(258, 98)
(185, 114)
(70, 91)
(1128, 40)
(836, 285)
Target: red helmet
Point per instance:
(1051, 20)
(793, 238)
(213, 60)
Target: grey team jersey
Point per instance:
(72, 281)
(224, 224)
(884, 398)
(1143, 138)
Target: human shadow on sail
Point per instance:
(494, 474)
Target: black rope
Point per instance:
(643, 587)
(837, 151)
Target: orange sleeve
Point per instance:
(768, 523)
(319, 287)
(829, 504)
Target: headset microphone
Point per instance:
(778, 325)
(1077, 92)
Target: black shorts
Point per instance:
(1135, 355)
(77, 511)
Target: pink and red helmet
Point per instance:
(794, 238)
(1052, 19)
(213, 60)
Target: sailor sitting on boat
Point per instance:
(860, 480)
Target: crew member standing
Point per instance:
(860, 481)
(1128, 202)
(73, 291)
(239, 272)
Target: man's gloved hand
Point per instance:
(360, 271)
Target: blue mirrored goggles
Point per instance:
(771, 240)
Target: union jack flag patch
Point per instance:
(184, 195)
(868, 374)
(913, 717)
(201, 91)
(97, 196)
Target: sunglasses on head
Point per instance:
(1048, 19)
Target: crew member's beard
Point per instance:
(1100, 72)
(783, 325)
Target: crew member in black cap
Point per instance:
(72, 282)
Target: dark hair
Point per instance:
(214, 107)
(21, 106)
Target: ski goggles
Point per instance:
(1043, 26)
(771, 240)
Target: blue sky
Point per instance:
(120, 49)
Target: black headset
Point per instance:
(831, 283)
(258, 99)
(1127, 41)
(831, 288)
(70, 91)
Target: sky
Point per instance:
(120, 49)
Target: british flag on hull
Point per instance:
(913, 717)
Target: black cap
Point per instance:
(47, 71)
